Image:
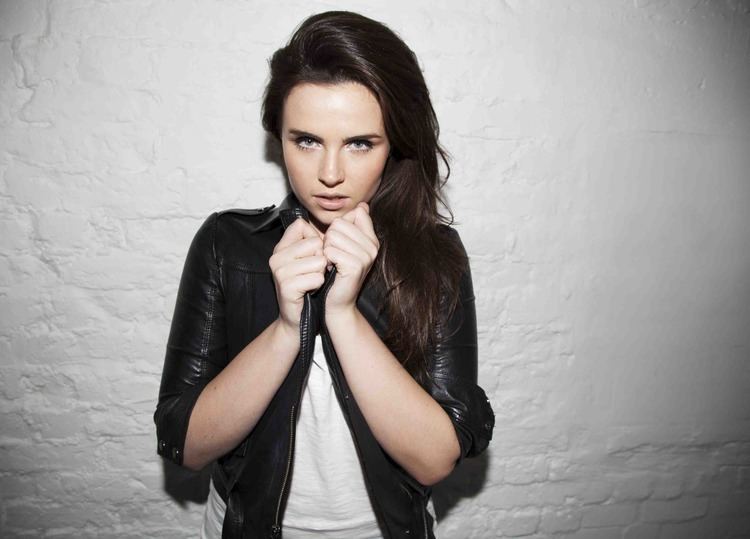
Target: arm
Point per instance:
(208, 405)
(452, 374)
(409, 427)
(408, 423)
(232, 403)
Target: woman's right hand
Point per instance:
(298, 266)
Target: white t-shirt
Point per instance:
(328, 496)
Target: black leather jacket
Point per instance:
(226, 298)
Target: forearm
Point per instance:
(407, 422)
(229, 407)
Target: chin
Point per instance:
(321, 224)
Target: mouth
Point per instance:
(330, 202)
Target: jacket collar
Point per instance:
(290, 209)
(285, 213)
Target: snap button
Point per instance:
(175, 453)
(162, 445)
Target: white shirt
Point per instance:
(328, 495)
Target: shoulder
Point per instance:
(451, 237)
(244, 221)
(448, 231)
(238, 235)
(254, 218)
(254, 212)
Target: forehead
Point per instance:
(346, 106)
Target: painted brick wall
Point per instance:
(601, 183)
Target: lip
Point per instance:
(330, 202)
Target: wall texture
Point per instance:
(601, 183)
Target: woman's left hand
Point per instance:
(351, 245)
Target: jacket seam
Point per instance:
(206, 340)
(246, 269)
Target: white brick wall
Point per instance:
(601, 182)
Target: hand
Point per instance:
(298, 266)
(351, 245)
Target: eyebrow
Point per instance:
(366, 136)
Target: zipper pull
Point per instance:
(275, 532)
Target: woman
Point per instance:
(323, 353)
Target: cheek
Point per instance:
(370, 174)
(296, 165)
(377, 167)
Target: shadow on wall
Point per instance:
(185, 485)
(466, 481)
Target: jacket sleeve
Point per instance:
(196, 349)
(452, 372)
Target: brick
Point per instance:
(608, 515)
(595, 492)
(668, 490)
(525, 470)
(594, 533)
(634, 488)
(518, 523)
(642, 531)
(744, 478)
(560, 520)
(730, 504)
(674, 510)
(700, 529)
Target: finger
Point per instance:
(301, 249)
(300, 266)
(306, 282)
(363, 239)
(346, 263)
(359, 246)
(360, 217)
(363, 221)
(298, 230)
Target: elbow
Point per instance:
(433, 475)
(440, 467)
(194, 467)
(194, 462)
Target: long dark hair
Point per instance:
(419, 262)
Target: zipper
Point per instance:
(327, 344)
(304, 353)
(339, 373)
(304, 328)
(276, 528)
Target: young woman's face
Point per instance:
(335, 147)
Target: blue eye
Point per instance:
(361, 145)
(305, 142)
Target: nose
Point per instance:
(331, 171)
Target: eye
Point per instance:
(361, 145)
(305, 142)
